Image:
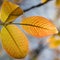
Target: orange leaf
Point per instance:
(14, 41)
(38, 26)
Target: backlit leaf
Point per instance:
(54, 41)
(10, 11)
(57, 3)
(38, 26)
(14, 41)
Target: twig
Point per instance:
(40, 4)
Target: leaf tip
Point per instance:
(55, 30)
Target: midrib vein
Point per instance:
(14, 40)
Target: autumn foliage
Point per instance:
(13, 40)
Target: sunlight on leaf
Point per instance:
(57, 3)
(14, 41)
(54, 41)
(10, 11)
(38, 26)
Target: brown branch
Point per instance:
(40, 4)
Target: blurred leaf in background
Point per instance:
(57, 3)
(54, 41)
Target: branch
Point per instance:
(40, 4)
(1, 2)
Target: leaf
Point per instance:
(43, 1)
(57, 3)
(38, 26)
(54, 41)
(14, 41)
(10, 11)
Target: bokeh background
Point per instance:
(38, 47)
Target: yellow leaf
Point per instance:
(38, 26)
(14, 41)
(54, 42)
(57, 3)
(10, 11)
(43, 1)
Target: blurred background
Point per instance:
(39, 48)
